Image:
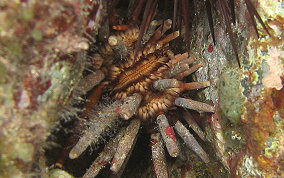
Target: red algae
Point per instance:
(35, 87)
(170, 132)
(210, 48)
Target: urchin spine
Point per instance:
(191, 141)
(158, 156)
(125, 146)
(195, 105)
(168, 135)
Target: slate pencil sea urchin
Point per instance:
(144, 77)
(145, 87)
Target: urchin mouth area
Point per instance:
(155, 73)
(158, 81)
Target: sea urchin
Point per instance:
(145, 86)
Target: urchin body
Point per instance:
(145, 83)
(154, 66)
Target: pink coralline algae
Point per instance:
(273, 78)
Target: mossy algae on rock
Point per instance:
(230, 92)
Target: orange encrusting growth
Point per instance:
(121, 27)
(263, 125)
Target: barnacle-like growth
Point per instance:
(145, 85)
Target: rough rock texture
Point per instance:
(41, 59)
(249, 138)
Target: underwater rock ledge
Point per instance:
(43, 54)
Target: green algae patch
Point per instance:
(231, 97)
(37, 35)
(15, 48)
(23, 151)
(26, 14)
(235, 138)
(3, 73)
(273, 145)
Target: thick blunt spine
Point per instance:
(125, 146)
(195, 105)
(158, 156)
(168, 135)
(190, 141)
(130, 106)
